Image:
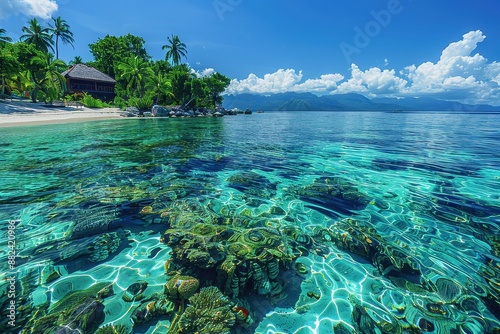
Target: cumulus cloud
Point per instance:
(457, 75)
(204, 73)
(38, 8)
(373, 81)
(277, 82)
(284, 81)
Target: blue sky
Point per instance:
(445, 49)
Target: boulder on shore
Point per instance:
(159, 111)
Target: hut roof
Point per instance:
(81, 71)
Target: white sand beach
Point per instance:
(24, 113)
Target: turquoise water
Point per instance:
(312, 222)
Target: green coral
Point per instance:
(209, 311)
(76, 297)
(113, 329)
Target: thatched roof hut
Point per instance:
(83, 78)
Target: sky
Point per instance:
(446, 49)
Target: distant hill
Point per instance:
(340, 102)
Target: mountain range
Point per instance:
(345, 102)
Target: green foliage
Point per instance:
(9, 66)
(76, 60)
(134, 71)
(61, 30)
(3, 37)
(37, 35)
(120, 102)
(46, 74)
(141, 103)
(175, 49)
(160, 86)
(28, 66)
(90, 102)
(180, 77)
(216, 85)
(111, 50)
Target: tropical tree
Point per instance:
(9, 65)
(46, 74)
(159, 85)
(3, 37)
(175, 49)
(180, 77)
(135, 71)
(216, 84)
(37, 35)
(61, 30)
(111, 51)
(76, 60)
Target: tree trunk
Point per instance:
(57, 47)
(34, 93)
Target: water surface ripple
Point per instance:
(396, 216)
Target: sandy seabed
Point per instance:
(23, 113)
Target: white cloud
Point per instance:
(458, 75)
(373, 82)
(277, 82)
(464, 47)
(38, 8)
(205, 73)
(284, 81)
(325, 83)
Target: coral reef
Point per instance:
(96, 291)
(95, 248)
(135, 291)
(209, 311)
(181, 287)
(155, 306)
(113, 329)
(253, 184)
(336, 192)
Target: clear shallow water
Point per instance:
(384, 222)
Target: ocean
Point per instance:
(279, 222)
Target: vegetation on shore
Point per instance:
(31, 67)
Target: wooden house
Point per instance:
(82, 78)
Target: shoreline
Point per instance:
(22, 113)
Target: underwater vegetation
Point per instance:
(195, 238)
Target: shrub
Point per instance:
(142, 103)
(120, 102)
(90, 102)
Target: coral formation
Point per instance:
(113, 329)
(96, 291)
(135, 291)
(155, 306)
(209, 311)
(181, 287)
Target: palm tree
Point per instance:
(159, 84)
(3, 38)
(40, 37)
(61, 30)
(76, 60)
(175, 49)
(8, 66)
(135, 71)
(47, 76)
